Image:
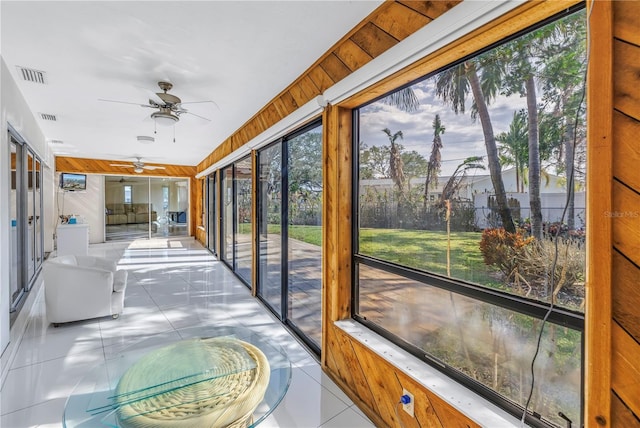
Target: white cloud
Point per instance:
(462, 138)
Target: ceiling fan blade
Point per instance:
(203, 102)
(151, 167)
(124, 102)
(119, 164)
(196, 115)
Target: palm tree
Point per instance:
(548, 57)
(513, 149)
(522, 80)
(452, 186)
(396, 170)
(433, 168)
(563, 83)
(453, 86)
(404, 99)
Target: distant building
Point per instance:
(477, 188)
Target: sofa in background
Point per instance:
(129, 213)
(82, 287)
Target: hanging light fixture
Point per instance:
(165, 117)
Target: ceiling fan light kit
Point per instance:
(165, 117)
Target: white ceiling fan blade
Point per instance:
(122, 165)
(151, 167)
(202, 102)
(124, 102)
(196, 115)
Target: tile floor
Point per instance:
(173, 284)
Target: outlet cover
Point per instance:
(409, 406)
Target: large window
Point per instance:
(127, 194)
(469, 250)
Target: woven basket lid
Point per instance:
(212, 382)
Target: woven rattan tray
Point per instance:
(224, 395)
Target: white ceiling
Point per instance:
(239, 54)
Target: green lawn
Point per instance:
(427, 250)
(420, 249)
(309, 234)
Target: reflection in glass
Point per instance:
(227, 215)
(269, 226)
(488, 343)
(305, 233)
(243, 247)
(212, 211)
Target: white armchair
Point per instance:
(82, 287)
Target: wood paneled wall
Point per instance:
(391, 23)
(370, 381)
(98, 166)
(625, 217)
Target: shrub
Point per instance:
(531, 266)
(503, 249)
(564, 272)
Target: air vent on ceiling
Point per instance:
(47, 116)
(56, 142)
(31, 75)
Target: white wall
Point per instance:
(13, 110)
(83, 205)
(552, 207)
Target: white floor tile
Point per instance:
(173, 285)
(53, 379)
(70, 341)
(348, 419)
(47, 414)
(307, 404)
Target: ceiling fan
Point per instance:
(169, 107)
(138, 166)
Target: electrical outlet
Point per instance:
(408, 407)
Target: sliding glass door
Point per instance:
(169, 206)
(304, 233)
(270, 226)
(16, 277)
(243, 242)
(143, 207)
(290, 230)
(25, 207)
(226, 221)
(212, 212)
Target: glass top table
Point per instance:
(210, 376)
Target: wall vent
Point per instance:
(31, 75)
(47, 116)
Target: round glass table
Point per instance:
(206, 376)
